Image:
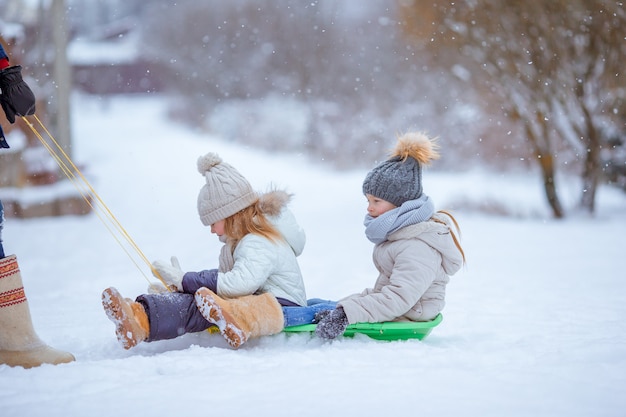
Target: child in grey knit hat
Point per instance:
(415, 249)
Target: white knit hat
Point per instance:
(226, 191)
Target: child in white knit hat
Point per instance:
(258, 283)
(415, 248)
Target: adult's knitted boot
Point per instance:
(19, 344)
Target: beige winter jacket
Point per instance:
(414, 266)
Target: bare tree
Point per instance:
(555, 68)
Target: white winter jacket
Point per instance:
(259, 265)
(414, 265)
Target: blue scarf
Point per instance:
(377, 229)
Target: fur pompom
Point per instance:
(208, 161)
(416, 145)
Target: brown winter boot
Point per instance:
(19, 344)
(243, 318)
(130, 318)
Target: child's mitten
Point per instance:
(333, 325)
(173, 275)
(321, 315)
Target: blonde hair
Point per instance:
(250, 220)
(456, 225)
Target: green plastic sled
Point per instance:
(388, 330)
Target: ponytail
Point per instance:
(456, 225)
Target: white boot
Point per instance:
(19, 344)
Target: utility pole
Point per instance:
(62, 77)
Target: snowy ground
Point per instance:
(535, 324)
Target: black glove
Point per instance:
(16, 96)
(332, 325)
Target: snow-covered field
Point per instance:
(535, 324)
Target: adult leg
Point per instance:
(19, 343)
(1, 226)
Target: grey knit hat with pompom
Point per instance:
(399, 178)
(226, 191)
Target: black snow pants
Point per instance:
(172, 315)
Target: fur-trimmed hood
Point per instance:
(273, 202)
(274, 205)
(260, 265)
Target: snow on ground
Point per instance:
(535, 323)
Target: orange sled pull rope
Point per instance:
(85, 188)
